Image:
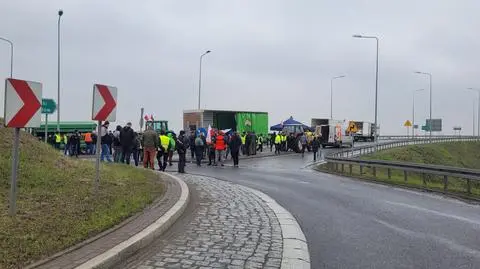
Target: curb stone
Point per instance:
(142, 239)
(295, 248)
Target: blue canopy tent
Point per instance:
(291, 124)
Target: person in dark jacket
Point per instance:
(315, 147)
(211, 151)
(127, 140)
(235, 144)
(248, 142)
(191, 142)
(72, 142)
(106, 142)
(136, 148)
(94, 143)
(182, 141)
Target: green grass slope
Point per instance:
(458, 154)
(56, 203)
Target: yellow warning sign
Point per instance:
(352, 127)
(407, 124)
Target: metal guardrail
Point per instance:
(337, 161)
(409, 137)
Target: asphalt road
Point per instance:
(355, 224)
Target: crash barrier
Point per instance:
(463, 177)
(409, 137)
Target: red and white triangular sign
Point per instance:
(104, 103)
(23, 103)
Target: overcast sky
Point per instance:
(276, 56)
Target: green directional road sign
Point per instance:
(48, 106)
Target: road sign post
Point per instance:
(22, 109)
(103, 109)
(48, 107)
(46, 127)
(408, 124)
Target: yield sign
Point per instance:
(22, 103)
(104, 103)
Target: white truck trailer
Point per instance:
(332, 132)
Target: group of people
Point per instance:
(150, 146)
(71, 142)
(307, 140)
(122, 144)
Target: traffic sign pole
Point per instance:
(46, 127)
(13, 183)
(22, 110)
(99, 148)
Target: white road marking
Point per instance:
(438, 213)
(448, 243)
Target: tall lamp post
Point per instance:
(430, 126)
(60, 13)
(478, 116)
(11, 55)
(376, 85)
(331, 94)
(413, 111)
(200, 78)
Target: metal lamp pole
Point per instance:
(13, 182)
(376, 86)
(60, 13)
(11, 55)
(413, 111)
(430, 126)
(331, 94)
(200, 78)
(478, 116)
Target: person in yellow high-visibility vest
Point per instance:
(243, 137)
(278, 142)
(58, 140)
(163, 150)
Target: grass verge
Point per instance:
(56, 204)
(459, 154)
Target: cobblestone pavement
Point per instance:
(230, 228)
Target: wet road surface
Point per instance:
(355, 224)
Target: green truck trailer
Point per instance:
(240, 121)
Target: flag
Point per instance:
(209, 134)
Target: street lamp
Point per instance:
(60, 13)
(376, 85)
(431, 123)
(478, 116)
(11, 55)
(200, 78)
(331, 95)
(413, 111)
